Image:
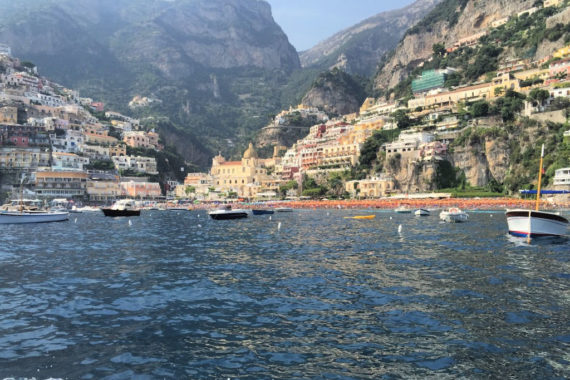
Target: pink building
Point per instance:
(560, 67)
(144, 190)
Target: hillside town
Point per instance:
(71, 147)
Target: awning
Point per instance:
(529, 192)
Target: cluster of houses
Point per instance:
(50, 136)
(47, 131)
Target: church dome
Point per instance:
(250, 152)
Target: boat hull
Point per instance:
(421, 212)
(523, 223)
(116, 213)
(39, 217)
(284, 209)
(228, 215)
(262, 212)
(453, 217)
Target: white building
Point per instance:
(71, 142)
(562, 178)
(136, 163)
(68, 162)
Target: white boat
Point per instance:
(23, 217)
(536, 223)
(421, 212)
(403, 210)
(525, 223)
(227, 212)
(284, 209)
(453, 215)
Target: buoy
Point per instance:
(198, 215)
(400, 229)
(270, 218)
(279, 226)
(130, 223)
(390, 218)
(75, 221)
(199, 226)
(328, 213)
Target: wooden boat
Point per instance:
(226, 213)
(361, 217)
(122, 207)
(454, 215)
(536, 223)
(262, 212)
(422, 212)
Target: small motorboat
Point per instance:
(226, 213)
(403, 210)
(422, 212)
(361, 217)
(262, 212)
(284, 209)
(454, 215)
(122, 207)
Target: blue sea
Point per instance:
(301, 295)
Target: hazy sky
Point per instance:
(307, 22)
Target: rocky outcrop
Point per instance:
(333, 99)
(417, 45)
(358, 49)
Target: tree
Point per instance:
(480, 109)
(283, 189)
(336, 184)
(439, 50)
(538, 96)
(189, 190)
(402, 119)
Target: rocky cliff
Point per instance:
(448, 22)
(358, 49)
(210, 64)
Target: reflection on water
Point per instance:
(176, 295)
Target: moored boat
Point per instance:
(284, 209)
(122, 207)
(453, 215)
(262, 212)
(403, 210)
(525, 223)
(421, 212)
(23, 217)
(361, 217)
(536, 223)
(227, 213)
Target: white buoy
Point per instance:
(269, 217)
(198, 215)
(130, 223)
(390, 218)
(328, 213)
(199, 226)
(75, 221)
(400, 229)
(279, 226)
(491, 215)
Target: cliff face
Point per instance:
(417, 45)
(207, 62)
(358, 49)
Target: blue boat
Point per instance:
(262, 212)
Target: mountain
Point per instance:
(357, 50)
(448, 22)
(211, 65)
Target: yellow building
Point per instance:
(564, 52)
(370, 188)
(103, 187)
(246, 177)
(9, 115)
(368, 103)
(551, 3)
(201, 182)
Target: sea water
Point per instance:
(175, 295)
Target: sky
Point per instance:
(308, 22)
